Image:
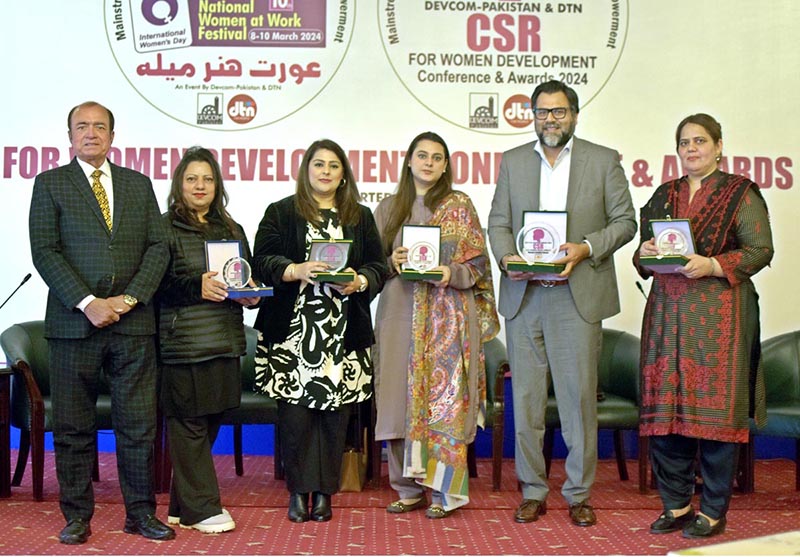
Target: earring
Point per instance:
(719, 158)
(342, 183)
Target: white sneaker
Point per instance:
(173, 520)
(214, 524)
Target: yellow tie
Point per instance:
(102, 198)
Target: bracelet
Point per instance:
(290, 268)
(364, 283)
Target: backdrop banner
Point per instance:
(257, 81)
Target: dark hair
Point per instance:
(86, 105)
(406, 192)
(708, 123)
(555, 86)
(177, 204)
(346, 197)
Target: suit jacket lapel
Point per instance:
(577, 168)
(85, 190)
(118, 185)
(534, 169)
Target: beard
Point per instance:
(554, 137)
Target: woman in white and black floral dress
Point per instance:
(314, 353)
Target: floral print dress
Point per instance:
(311, 367)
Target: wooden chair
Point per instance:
(255, 409)
(618, 407)
(496, 369)
(781, 361)
(26, 351)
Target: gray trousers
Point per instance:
(548, 334)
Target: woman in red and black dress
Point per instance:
(701, 356)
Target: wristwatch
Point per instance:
(364, 283)
(129, 300)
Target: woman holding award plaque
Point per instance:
(313, 356)
(430, 374)
(201, 335)
(700, 363)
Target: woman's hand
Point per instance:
(445, 270)
(399, 256)
(648, 248)
(699, 266)
(250, 301)
(212, 289)
(347, 288)
(308, 270)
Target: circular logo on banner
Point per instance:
(476, 63)
(229, 64)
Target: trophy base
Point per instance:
(538, 267)
(259, 292)
(410, 274)
(342, 276)
(663, 264)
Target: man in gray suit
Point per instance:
(554, 323)
(97, 241)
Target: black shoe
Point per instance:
(150, 527)
(700, 527)
(298, 507)
(76, 532)
(668, 522)
(321, 512)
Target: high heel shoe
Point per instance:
(298, 507)
(321, 510)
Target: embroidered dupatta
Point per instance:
(446, 375)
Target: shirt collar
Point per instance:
(87, 168)
(563, 153)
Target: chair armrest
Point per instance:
(22, 370)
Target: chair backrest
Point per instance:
(496, 362)
(781, 361)
(248, 361)
(26, 348)
(618, 370)
(25, 341)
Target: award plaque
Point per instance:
(538, 242)
(225, 257)
(674, 241)
(334, 253)
(424, 244)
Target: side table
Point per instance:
(5, 432)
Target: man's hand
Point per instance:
(516, 275)
(102, 312)
(575, 253)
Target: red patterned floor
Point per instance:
(362, 527)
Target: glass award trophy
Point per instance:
(674, 242)
(334, 253)
(424, 244)
(538, 242)
(225, 257)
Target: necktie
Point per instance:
(102, 198)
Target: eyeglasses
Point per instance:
(542, 113)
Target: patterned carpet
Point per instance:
(362, 527)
